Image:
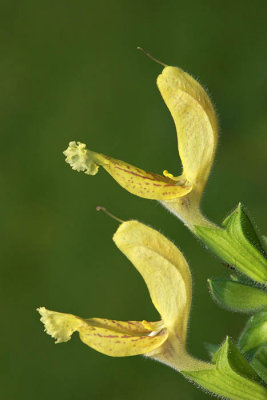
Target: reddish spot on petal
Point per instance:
(107, 336)
(140, 338)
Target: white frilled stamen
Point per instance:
(81, 159)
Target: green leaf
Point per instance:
(237, 296)
(237, 244)
(254, 334)
(259, 362)
(233, 377)
(211, 348)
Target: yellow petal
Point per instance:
(164, 270)
(113, 338)
(195, 120)
(141, 183)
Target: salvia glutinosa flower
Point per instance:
(167, 276)
(197, 131)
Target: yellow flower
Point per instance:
(168, 279)
(197, 131)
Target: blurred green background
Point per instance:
(70, 71)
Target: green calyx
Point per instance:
(237, 296)
(254, 335)
(253, 343)
(233, 378)
(237, 244)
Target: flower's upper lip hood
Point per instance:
(164, 270)
(195, 120)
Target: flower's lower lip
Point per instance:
(137, 181)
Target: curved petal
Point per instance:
(195, 120)
(164, 270)
(113, 338)
(141, 183)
